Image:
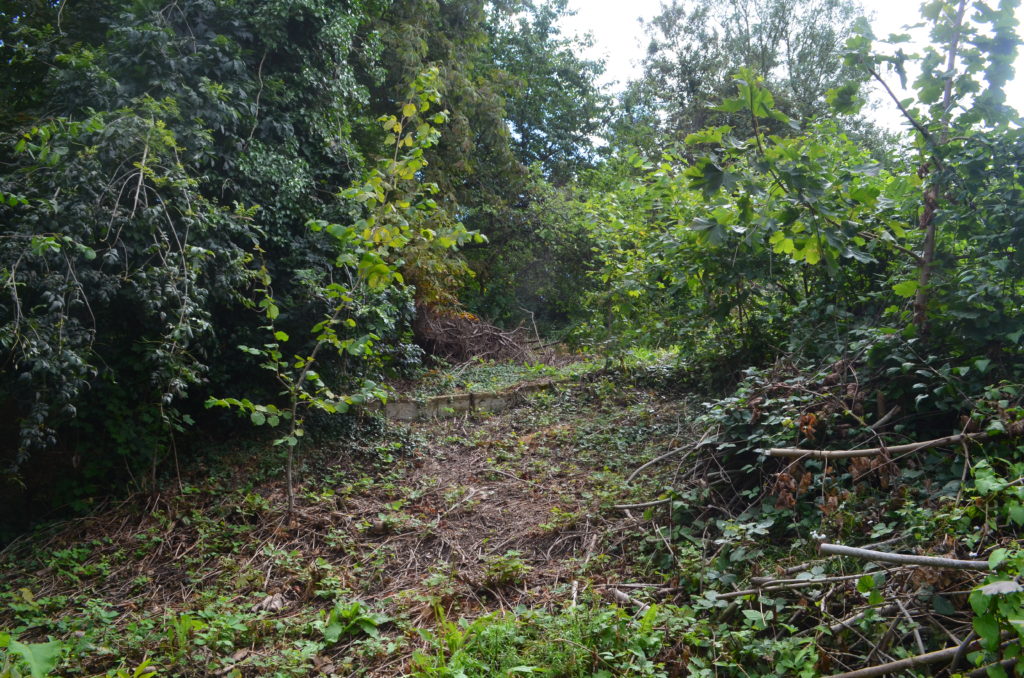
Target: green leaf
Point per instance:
(812, 255)
(258, 418)
(710, 135)
(332, 632)
(368, 627)
(280, 336)
(732, 105)
(409, 110)
(987, 629)
(845, 99)
(40, 657)
(708, 177)
(942, 605)
(906, 289)
(997, 557)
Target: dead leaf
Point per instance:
(1001, 588)
(272, 603)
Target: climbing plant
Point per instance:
(398, 215)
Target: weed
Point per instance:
(506, 569)
(39, 658)
(583, 642)
(351, 619)
(560, 520)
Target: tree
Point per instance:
(553, 107)
(156, 157)
(696, 45)
(518, 95)
(967, 153)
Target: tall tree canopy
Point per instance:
(697, 45)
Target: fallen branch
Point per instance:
(850, 621)
(788, 584)
(937, 657)
(623, 599)
(772, 581)
(982, 672)
(903, 559)
(874, 451)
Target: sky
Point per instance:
(619, 38)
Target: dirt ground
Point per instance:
(464, 516)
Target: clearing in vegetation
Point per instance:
(410, 529)
(611, 527)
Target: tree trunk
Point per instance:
(932, 190)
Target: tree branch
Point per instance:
(904, 559)
(874, 451)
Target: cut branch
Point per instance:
(937, 657)
(646, 504)
(903, 559)
(875, 451)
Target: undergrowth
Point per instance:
(541, 541)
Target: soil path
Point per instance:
(465, 516)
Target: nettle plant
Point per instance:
(398, 214)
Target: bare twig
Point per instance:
(913, 624)
(961, 651)
(851, 620)
(877, 426)
(646, 504)
(683, 448)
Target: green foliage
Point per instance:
(506, 569)
(158, 159)
(397, 213)
(39, 658)
(770, 232)
(695, 47)
(352, 619)
(594, 642)
(552, 105)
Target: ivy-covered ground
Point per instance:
(539, 541)
(397, 528)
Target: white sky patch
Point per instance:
(619, 40)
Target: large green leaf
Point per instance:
(41, 658)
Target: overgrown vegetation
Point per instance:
(801, 454)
